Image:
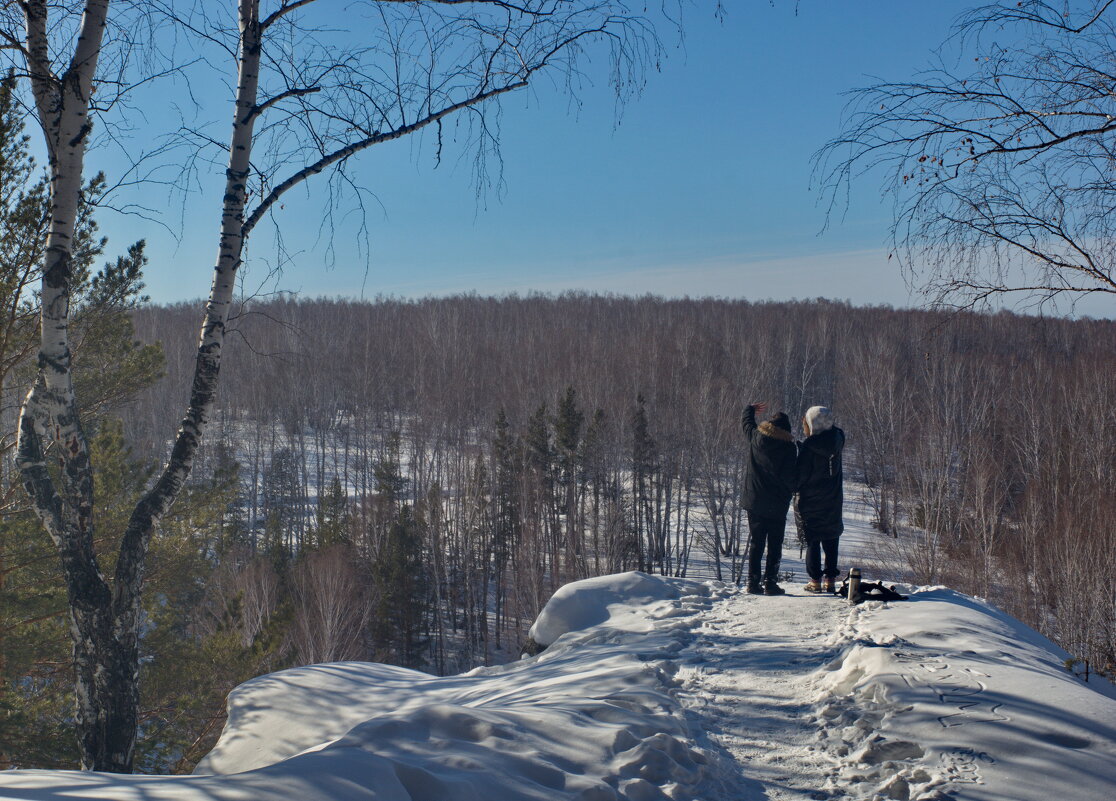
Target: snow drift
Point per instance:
(655, 688)
(949, 694)
(591, 718)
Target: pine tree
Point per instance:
(35, 682)
(537, 445)
(541, 510)
(185, 673)
(643, 468)
(388, 473)
(476, 563)
(567, 433)
(233, 526)
(401, 583)
(23, 210)
(331, 519)
(507, 458)
(593, 476)
(36, 679)
(567, 436)
(283, 505)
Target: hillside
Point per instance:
(666, 688)
(592, 434)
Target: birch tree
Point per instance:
(302, 106)
(102, 617)
(999, 164)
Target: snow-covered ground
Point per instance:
(657, 688)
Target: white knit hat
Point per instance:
(819, 419)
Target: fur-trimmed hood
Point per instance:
(771, 465)
(769, 429)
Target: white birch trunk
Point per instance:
(157, 501)
(203, 391)
(104, 619)
(104, 667)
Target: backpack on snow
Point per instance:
(871, 591)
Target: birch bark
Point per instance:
(105, 618)
(49, 420)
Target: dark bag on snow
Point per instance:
(872, 591)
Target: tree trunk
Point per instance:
(105, 620)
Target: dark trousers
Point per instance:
(767, 533)
(814, 559)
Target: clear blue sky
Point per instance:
(701, 189)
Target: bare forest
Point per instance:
(409, 481)
(421, 475)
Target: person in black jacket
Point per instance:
(768, 487)
(820, 495)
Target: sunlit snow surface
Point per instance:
(658, 688)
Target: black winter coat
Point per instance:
(820, 480)
(771, 468)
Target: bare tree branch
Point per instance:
(999, 171)
(362, 144)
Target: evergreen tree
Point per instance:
(23, 210)
(592, 460)
(643, 468)
(476, 563)
(507, 458)
(233, 527)
(568, 422)
(185, 673)
(537, 445)
(567, 436)
(283, 497)
(109, 368)
(402, 586)
(388, 473)
(36, 686)
(331, 519)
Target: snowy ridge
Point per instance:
(593, 717)
(656, 688)
(948, 694)
(939, 697)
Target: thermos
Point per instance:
(854, 585)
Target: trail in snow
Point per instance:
(749, 678)
(943, 697)
(804, 698)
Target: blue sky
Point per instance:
(701, 188)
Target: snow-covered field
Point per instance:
(658, 688)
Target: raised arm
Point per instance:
(748, 421)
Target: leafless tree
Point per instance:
(330, 615)
(999, 163)
(242, 594)
(104, 617)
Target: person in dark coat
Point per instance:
(768, 487)
(820, 495)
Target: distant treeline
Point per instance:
(416, 477)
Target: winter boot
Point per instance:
(829, 585)
(813, 585)
(771, 588)
(754, 587)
